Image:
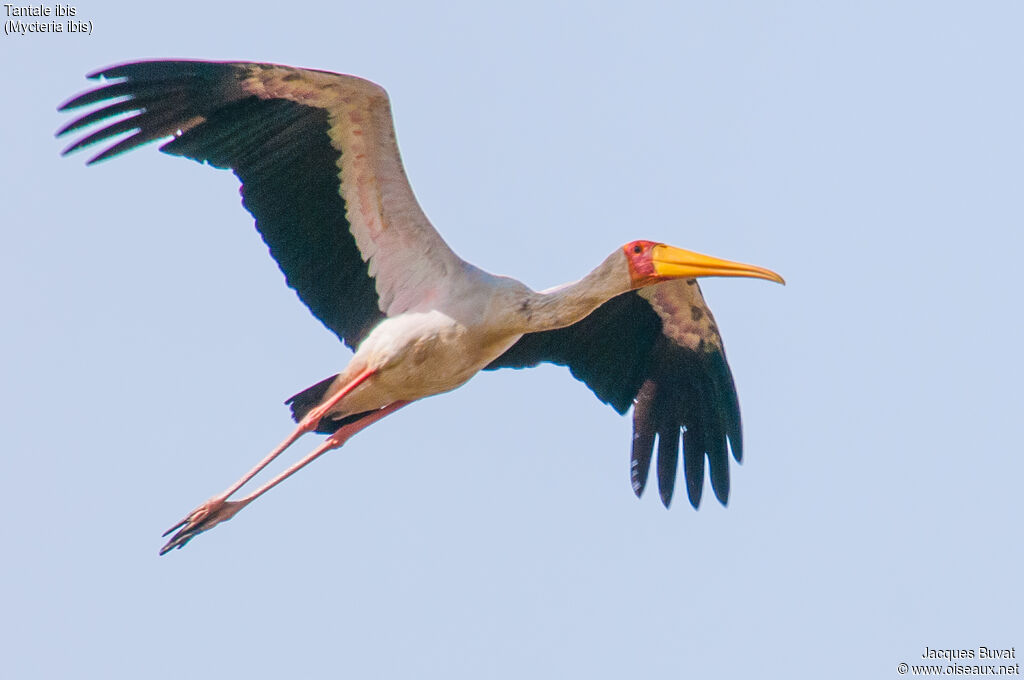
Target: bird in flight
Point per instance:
(321, 173)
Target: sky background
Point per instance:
(871, 152)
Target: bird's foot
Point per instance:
(205, 517)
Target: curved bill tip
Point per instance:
(769, 275)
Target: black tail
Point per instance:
(303, 402)
(306, 400)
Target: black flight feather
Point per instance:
(279, 149)
(621, 352)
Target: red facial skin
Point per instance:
(641, 266)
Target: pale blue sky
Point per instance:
(870, 152)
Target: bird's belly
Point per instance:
(427, 371)
(420, 355)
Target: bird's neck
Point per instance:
(566, 304)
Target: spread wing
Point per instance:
(319, 166)
(658, 349)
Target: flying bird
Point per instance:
(320, 172)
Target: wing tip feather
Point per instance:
(695, 393)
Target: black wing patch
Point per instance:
(281, 152)
(678, 394)
(693, 391)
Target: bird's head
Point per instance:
(651, 263)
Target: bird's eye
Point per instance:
(638, 249)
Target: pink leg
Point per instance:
(308, 424)
(218, 509)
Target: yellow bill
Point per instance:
(676, 263)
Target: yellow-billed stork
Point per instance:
(321, 173)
